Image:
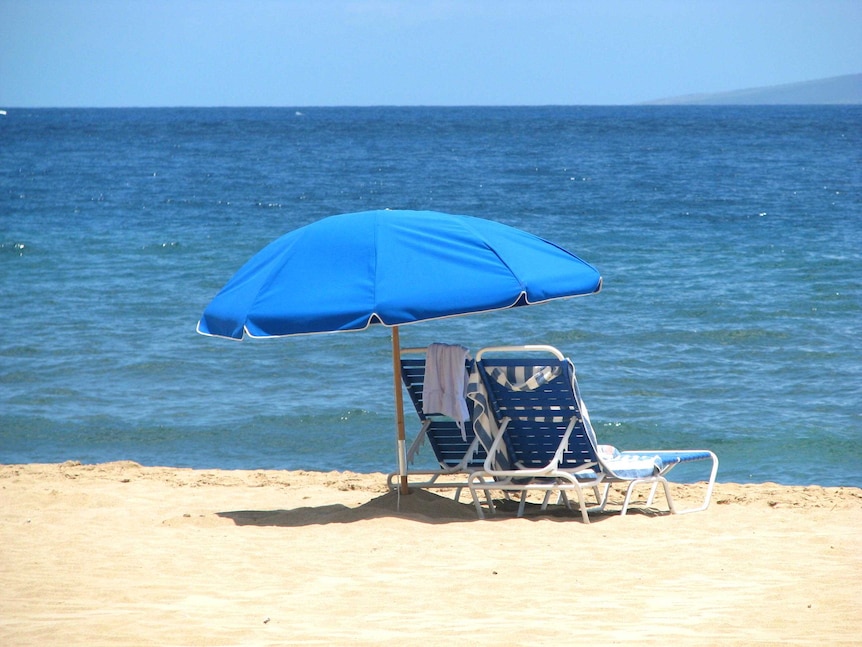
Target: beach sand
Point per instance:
(119, 554)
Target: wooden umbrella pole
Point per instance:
(399, 410)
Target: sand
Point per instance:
(120, 554)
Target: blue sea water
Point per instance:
(729, 239)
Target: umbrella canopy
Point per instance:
(391, 267)
(350, 271)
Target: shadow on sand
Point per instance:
(420, 506)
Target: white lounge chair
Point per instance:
(530, 415)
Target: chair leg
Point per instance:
(490, 502)
(709, 487)
(603, 499)
(476, 502)
(655, 481)
(651, 494)
(668, 496)
(627, 498)
(479, 511)
(472, 484)
(583, 505)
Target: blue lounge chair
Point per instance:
(530, 415)
(456, 449)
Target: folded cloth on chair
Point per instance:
(445, 385)
(630, 465)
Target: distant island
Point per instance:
(836, 90)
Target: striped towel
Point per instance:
(484, 425)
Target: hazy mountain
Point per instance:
(845, 89)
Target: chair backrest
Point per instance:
(539, 411)
(444, 435)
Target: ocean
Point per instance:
(729, 240)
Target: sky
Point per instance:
(144, 53)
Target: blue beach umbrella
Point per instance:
(390, 268)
